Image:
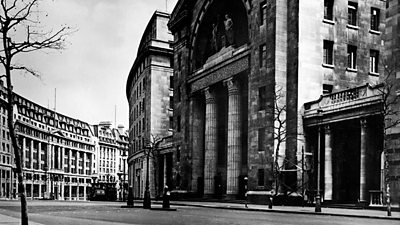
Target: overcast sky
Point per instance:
(90, 74)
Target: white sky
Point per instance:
(90, 74)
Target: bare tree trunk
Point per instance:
(10, 122)
(17, 150)
(386, 174)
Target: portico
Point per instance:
(348, 127)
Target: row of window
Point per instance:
(44, 136)
(352, 14)
(139, 127)
(107, 153)
(328, 57)
(139, 109)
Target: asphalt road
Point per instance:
(99, 213)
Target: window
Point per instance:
(263, 12)
(179, 62)
(327, 88)
(260, 176)
(178, 153)
(261, 139)
(178, 123)
(328, 52)
(352, 57)
(373, 61)
(262, 98)
(263, 55)
(179, 93)
(171, 82)
(171, 102)
(328, 9)
(352, 14)
(171, 122)
(374, 19)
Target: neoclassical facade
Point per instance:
(254, 77)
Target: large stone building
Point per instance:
(150, 95)
(250, 76)
(59, 153)
(111, 151)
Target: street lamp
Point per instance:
(151, 148)
(123, 180)
(146, 200)
(318, 196)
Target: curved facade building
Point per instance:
(150, 95)
(63, 158)
(57, 153)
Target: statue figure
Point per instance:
(214, 38)
(229, 36)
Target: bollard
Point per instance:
(166, 197)
(130, 197)
(270, 202)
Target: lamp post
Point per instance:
(146, 200)
(123, 179)
(318, 196)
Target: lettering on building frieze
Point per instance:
(220, 74)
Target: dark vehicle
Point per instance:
(103, 192)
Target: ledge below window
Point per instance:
(351, 70)
(373, 74)
(328, 21)
(375, 32)
(352, 27)
(328, 65)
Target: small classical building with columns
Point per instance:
(264, 83)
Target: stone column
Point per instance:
(69, 160)
(84, 163)
(328, 164)
(70, 192)
(61, 158)
(39, 155)
(31, 154)
(62, 186)
(210, 156)
(48, 155)
(363, 161)
(234, 138)
(77, 162)
(197, 142)
(23, 155)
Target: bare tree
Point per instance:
(279, 112)
(390, 117)
(152, 150)
(21, 33)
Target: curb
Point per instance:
(287, 211)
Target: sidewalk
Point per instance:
(362, 213)
(12, 220)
